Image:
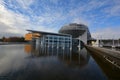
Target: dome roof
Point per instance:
(74, 26)
(74, 29)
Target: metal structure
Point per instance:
(69, 36)
(78, 31)
(52, 40)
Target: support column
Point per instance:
(57, 42)
(48, 46)
(52, 41)
(63, 42)
(70, 43)
(79, 44)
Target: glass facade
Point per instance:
(54, 41)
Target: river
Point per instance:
(27, 62)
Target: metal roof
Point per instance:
(74, 26)
(75, 30)
(48, 33)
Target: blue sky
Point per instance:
(101, 16)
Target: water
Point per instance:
(26, 62)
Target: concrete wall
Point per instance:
(84, 37)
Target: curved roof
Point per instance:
(75, 29)
(74, 26)
(42, 32)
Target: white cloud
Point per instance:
(107, 33)
(49, 18)
(11, 22)
(7, 31)
(54, 1)
(113, 8)
(25, 3)
(113, 11)
(17, 22)
(46, 29)
(95, 4)
(83, 13)
(81, 21)
(89, 6)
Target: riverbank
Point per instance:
(10, 43)
(112, 56)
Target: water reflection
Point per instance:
(111, 71)
(30, 62)
(70, 58)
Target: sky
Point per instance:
(101, 16)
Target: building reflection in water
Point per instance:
(74, 58)
(28, 48)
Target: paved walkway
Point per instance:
(109, 52)
(111, 56)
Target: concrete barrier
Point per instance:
(110, 56)
(101, 51)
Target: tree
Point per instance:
(3, 38)
(13, 39)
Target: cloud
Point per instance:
(24, 4)
(81, 21)
(50, 15)
(86, 12)
(112, 9)
(7, 31)
(15, 24)
(12, 22)
(107, 33)
(54, 1)
(4, 27)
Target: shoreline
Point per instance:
(10, 43)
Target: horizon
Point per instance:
(101, 17)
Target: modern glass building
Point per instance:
(78, 32)
(53, 40)
(72, 35)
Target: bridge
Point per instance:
(110, 43)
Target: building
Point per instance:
(72, 35)
(78, 32)
(46, 39)
(106, 43)
(29, 36)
